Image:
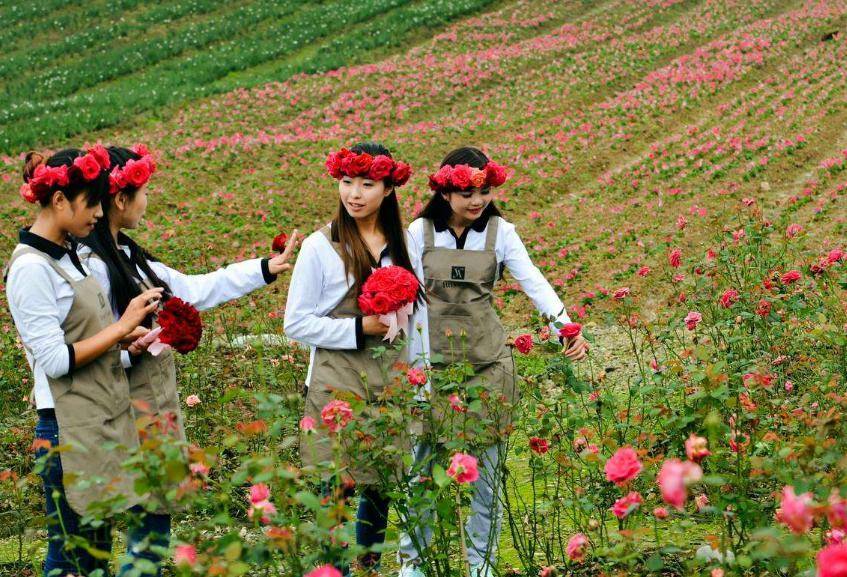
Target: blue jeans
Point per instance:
(371, 522)
(66, 534)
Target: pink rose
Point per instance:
(701, 501)
(461, 176)
(381, 167)
(185, 555)
(674, 477)
(623, 466)
(88, 166)
(259, 492)
(576, 547)
(463, 468)
(836, 512)
(307, 424)
(621, 293)
(795, 511)
(456, 404)
(524, 343)
(441, 178)
(626, 505)
(660, 513)
(336, 414)
(675, 258)
(416, 377)
(790, 277)
(28, 194)
(729, 298)
(835, 536)
(832, 561)
(324, 571)
(695, 448)
(192, 400)
(692, 319)
(264, 510)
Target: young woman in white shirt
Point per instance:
(125, 269)
(466, 245)
(72, 345)
(322, 309)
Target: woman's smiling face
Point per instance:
(362, 196)
(468, 205)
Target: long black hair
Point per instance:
(356, 256)
(438, 209)
(95, 190)
(122, 270)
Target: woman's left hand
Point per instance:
(279, 263)
(576, 348)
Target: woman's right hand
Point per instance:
(372, 326)
(138, 309)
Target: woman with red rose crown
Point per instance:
(466, 245)
(73, 345)
(125, 269)
(323, 311)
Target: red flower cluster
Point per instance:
(181, 325)
(347, 163)
(46, 179)
(135, 173)
(464, 177)
(387, 290)
(524, 343)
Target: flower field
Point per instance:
(678, 175)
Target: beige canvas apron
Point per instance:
(338, 374)
(92, 403)
(464, 327)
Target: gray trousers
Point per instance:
(483, 525)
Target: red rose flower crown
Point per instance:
(464, 177)
(135, 173)
(47, 179)
(347, 163)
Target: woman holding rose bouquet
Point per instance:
(124, 269)
(466, 245)
(354, 284)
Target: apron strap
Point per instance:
(429, 234)
(491, 234)
(327, 232)
(50, 260)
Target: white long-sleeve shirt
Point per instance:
(204, 291)
(511, 253)
(319, 283)
(40, 300)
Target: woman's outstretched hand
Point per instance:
(576, 348)
(279, 263)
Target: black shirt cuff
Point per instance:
(71, 359)
(360, 335)
(134, 359)
(266, 271)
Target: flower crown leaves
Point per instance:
(46, 179)
(464, 177)
(135, 173)
(347, 163)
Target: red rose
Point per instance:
(381, 167)
(28, 194)
(117, 180)
(524, 343)
(570, 330)
(101, 155)
(333, 162)
(790, 277)
(181, 325)
(279, 242)
(538, 445)
(140, 149)
(495, 174)
(387, 290)
(88, 166)
(401, 173)
(461, 176)
(136, 173)
(356, 164)
(729, 298)
(151, 164)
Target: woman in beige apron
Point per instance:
(125, 269)
(72, 343)
(322, 311)
(466, 246)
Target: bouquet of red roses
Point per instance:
(390, 292)
(179, 328)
